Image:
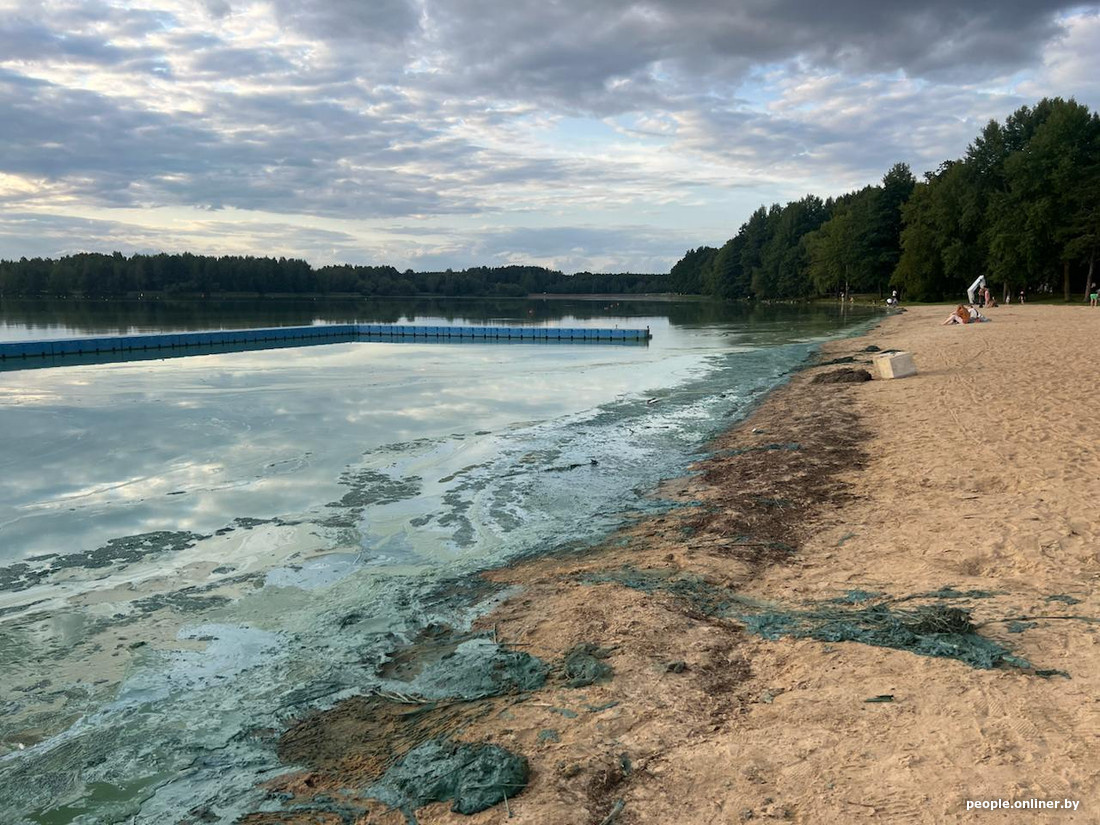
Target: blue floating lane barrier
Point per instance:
(18, 355)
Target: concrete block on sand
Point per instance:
(895, 365)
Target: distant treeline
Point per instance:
(98, 275)
(124, 316)
(1022, 208)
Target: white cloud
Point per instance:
(1071, 64)
(628, 121)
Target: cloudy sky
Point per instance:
(607, 135)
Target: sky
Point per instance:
(598, 135)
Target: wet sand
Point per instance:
(980, 474)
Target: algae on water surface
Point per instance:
(199, 730)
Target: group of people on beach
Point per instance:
(979, 296)
(978, 293)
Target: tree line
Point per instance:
(170, 313)
(1022, 208)
(96, 275)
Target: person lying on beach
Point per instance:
(964, 315)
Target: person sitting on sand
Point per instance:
(959, 316)
(964, 314)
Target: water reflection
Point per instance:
(59, 318)
(36, 362)
(196, 548)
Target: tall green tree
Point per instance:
(784, 260)
(686, 276)
(834, 253)
(1038, 223)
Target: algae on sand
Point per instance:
(475, 777)
(701, 595)
(583, 665)
(476, 669)
(936, 630)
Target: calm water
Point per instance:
(195, 548)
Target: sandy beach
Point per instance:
(973, 486)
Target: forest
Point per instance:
(97, 275)
(1021, 207)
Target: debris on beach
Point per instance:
(699, 595)
(473, 776)
(1049, 673)
(842, 376)
(789, 446)
(844, 359)
(949, 592)
(1063, 598)
(936, 630)
(584, 665)
(600, 708)
(616, 809)
(399, 743)
(474, 669)
(857, 597)
(402, 752)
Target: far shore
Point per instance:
(613, 296)
(357, 296)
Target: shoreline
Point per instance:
(824, 493)
(747, 449)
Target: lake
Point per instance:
(196, 549)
